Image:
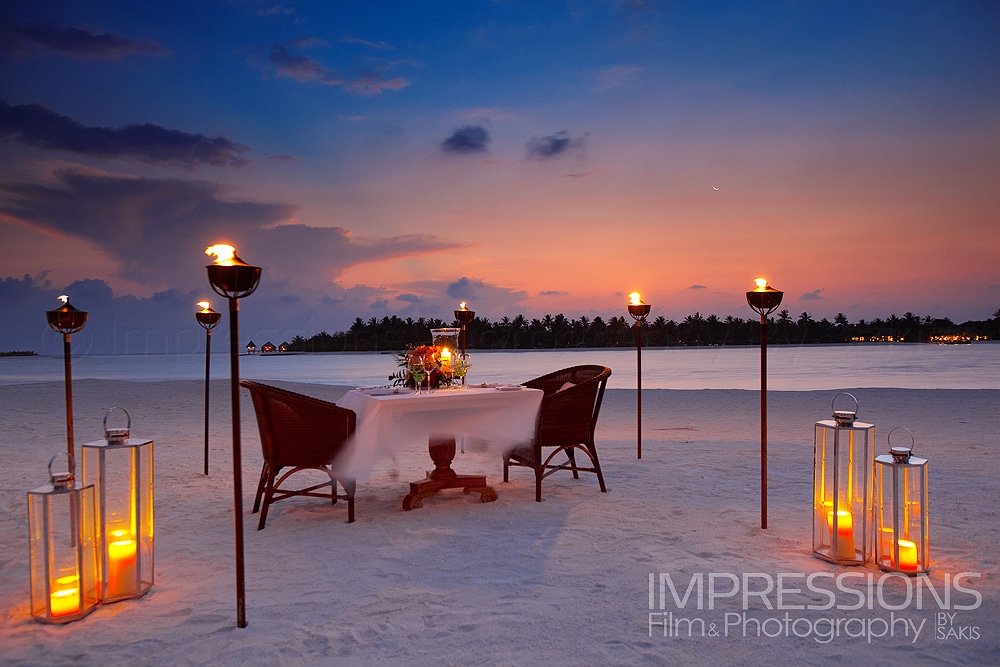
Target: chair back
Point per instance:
(571, 404)
(298, 430)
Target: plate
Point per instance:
(509, 387)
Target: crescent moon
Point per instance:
(714, 188)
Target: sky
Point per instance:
(397, 158)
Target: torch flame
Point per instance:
(761, 284)
(461, 306)
(634, 299)
(64, 299)
(225, 255)
(204, 305)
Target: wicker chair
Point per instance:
(566, 422)
(301, 433)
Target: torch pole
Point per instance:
(638, 385)
(763, 421)
(234, 357)
(208, 368)
(68, 363)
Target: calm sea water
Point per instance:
(790, 368)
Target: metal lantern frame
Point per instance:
(120, 468)
(842, 490)
(902, 540)
(63, 549)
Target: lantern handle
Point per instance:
(117, 435)
(64, 480)
(900, 428)
(844, 393)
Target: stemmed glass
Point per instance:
(418, 372)
(461, 366)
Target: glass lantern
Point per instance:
(901, 524)
(62, 530)
(841, 487)
(446, 341)
(121, 470)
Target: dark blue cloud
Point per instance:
(467, 139)
(157, 229)
(551, 146)
(75, 42)
(369, 81)
(815, 295)
(301, 68)
(38, 126)
(465, 288)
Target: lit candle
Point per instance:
(907, 555)
(65, 599)
(121, 565)
(845, 534)
(445, 360)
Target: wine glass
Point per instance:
(461, 366)
(417, 372)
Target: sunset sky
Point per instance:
(380, 158)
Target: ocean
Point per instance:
(790, 367)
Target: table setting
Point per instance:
(437, 409)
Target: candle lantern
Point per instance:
(446, 342)
(121, 470)
(901, 525)
(841, 487)
(62, 530)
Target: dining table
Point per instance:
(485, 418)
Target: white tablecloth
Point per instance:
(481, 419)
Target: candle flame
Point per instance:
(64, 299)
(205, 306)
(634, 299)
(225, 255)
(761, 284)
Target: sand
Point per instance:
(514, 582)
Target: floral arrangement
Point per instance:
(427, 356)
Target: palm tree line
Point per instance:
(557, 331)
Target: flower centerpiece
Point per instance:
(426, 357)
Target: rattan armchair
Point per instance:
(301, 433)
(566, 422)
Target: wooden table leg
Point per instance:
(442, 451)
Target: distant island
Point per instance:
(560, 332)
(19, 353)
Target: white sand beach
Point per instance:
(515, 582)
